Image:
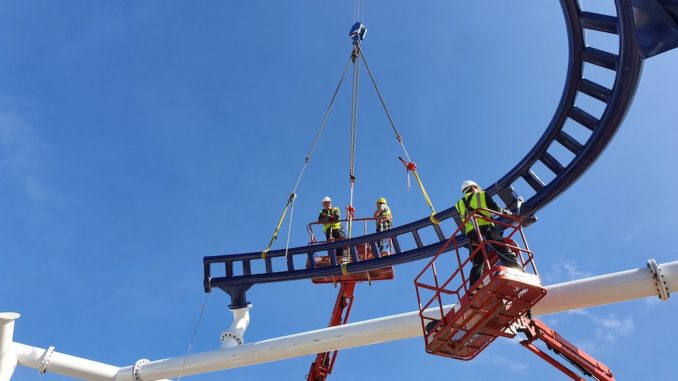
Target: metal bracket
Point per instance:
(510, 198)
(237, 293)
(137, 368)
(659, 280)
(46, 357)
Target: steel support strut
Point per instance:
(235, 335)
(8, 358)
(536, 330)
(324, 362)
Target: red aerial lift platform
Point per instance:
(500, 298)
(497, 305)
(324, 362)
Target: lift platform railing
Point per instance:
(342, 256)
(436, 289)
(312, 227)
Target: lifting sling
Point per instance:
(293, 194)
(409, 165)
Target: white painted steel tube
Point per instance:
(323, 340)
(59, 363)
(8, 359)
(604, 289)
(235, 335)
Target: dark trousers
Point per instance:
(506, 256)
(383, 244)
(335, 234)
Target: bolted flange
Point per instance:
(659, 280)
(137, 368)
(45, 359)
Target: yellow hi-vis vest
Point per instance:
(332, 225)
(386, 224)
(476, 201)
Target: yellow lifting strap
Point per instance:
(410, 166)
(290, 201)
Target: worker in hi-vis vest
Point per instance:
(384, 220)
(331, 220)
(475, 198)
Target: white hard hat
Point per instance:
(327, 199)
(468, 183)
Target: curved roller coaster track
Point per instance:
(238, 272)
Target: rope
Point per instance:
(409, 165)
(383, 104)
(293, 194)
(195, 331)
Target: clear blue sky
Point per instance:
(138, 137)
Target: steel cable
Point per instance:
(293, 195)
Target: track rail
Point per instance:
(238, 272)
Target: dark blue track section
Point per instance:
(420, 239)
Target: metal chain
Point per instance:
(323, 124)
(293, 195)
(354, 130)
(354, 111)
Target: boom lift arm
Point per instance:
(324, 362)
(537, 330)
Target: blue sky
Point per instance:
(138, 137)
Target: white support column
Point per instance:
(235, 335)
(8, 359)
